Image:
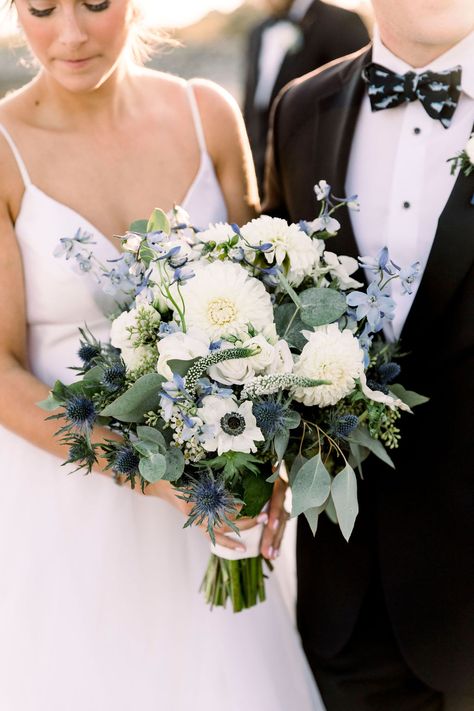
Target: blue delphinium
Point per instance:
(375, 305)
(409, 276)
(81, 413)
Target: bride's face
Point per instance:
(79, 44)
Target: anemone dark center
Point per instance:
(233, 423)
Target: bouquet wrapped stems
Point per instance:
(241, 581)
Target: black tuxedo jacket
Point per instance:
(416, 524)
(328, 32)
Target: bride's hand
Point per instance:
(277, 518)
(165, 490)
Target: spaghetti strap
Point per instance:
(196, 118)
(16, 153)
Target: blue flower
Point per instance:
(166, 329)
(126, 461)
(365, 342)
(380, 264)
(376, 305)
(212, 504)
(344, 425)
(114, 377)
(388, 372)
(270, 416)
(409, 276)
(80, 411)
(181, 276)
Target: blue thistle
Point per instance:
(80, 452)
(80, 411)
(377, 385)
(270, 416)
(114, 377)
(87, 352)
(341, 426)
(126, 461)
(212, 503)
(388, 372)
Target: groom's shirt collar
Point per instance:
(462, 53)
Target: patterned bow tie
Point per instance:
(438, 91)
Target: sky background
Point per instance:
(183, 12)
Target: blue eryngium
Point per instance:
(80, 412)
(126, 461)
(344, 425)
(212, 504)
(114, 377)
(270, 416)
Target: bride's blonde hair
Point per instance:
(144, 40)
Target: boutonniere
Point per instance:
(464, 159)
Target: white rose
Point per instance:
(180, 346)
(282, 359)
(241, 370)
(121, 338)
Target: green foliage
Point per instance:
(409, 397)
(233, 464)
(362, 437)
(139, 226)
(158, 222)
(140, 398)
(311, 486)
(256, 493)
(344, 497)
(320, 306)
(289, 325)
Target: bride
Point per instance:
(99, 608)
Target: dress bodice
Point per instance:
(58, 300)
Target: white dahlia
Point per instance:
(228, 426)
(289, 243)
(332, 355)
(222, 299)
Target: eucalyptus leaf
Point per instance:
(409, 397)
(361, 436)
(49, 404)
(290, 329)
(311, 486)
(146, 448)
(150, 434)
(139, 226)
(280, 443)
(312, 516)
(174, 464)
(292, 419)
(141, 397)
(321, 306)
(158, 222)
(153, 467)
(95, 374)
(358, 456)
(298, 462)
(181, 367)
(330, 511)
(344, 497)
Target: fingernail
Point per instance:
(262, 518)
(240, 547)
(275, 524)
(270, 552)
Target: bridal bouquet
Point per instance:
(233, 349)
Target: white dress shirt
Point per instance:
(398, 168)
(277, 40)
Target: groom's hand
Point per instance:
(277, 518)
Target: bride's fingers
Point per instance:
(277, 517)
(279, 535)
(227, 542)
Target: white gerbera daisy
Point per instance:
(222, 299)
(332, 355)
(228, 426)
(289, 244)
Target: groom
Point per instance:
(387, 620)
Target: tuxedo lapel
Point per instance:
(333, 136)
(450, 260)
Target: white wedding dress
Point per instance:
(99, 602)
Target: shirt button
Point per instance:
(406, 204)
(417, 130)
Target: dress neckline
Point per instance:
(204, 159)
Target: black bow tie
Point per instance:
(438, 91)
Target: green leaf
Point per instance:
(311, 486)
(280, 443)
(181, 367)
(153, 467)
(49, 404)
(320, 306)
(312, 516)
(174, 464)
(291, 333)
(146, 448)
(358, 456)
(95, 374)
(257, 492)
(409, 397)
(361, 436)
(298, 462)
(158, 222)
(139, 226)
(140, 398)
(150, 434)
(344, 497)
(292, 419)
(289, 289)
(331, 511)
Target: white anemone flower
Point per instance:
(288, 244)
(222, 299)
(332, 355)
(228, 426)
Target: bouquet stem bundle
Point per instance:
(241, 581)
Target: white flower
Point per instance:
(181, 346)
(219, 233)
(332, 355)
(222, 299)
(325, 223)
(322, 190)
(132, 243)
(282, 359)
(120, 337)
(241, 370)
(340, 268)
(288, 242)
(228, 426)
(378, 396)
